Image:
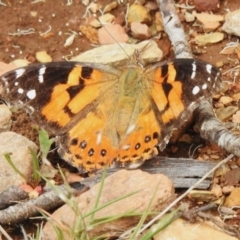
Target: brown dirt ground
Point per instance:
(62, 19)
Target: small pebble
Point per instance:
(189, 17)
(140, 31)
(206, 5)
(231, 25)
(227, 189)
(42, 56)
(138, 13)
(117, 34)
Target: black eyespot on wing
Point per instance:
(137, 146)
(83, 144)
(74, 141)
(103, 152)
(147, 139)
(91, 152)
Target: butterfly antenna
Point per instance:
(145, 47)
(114, 38)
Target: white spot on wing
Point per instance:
(40, 78)
(99, 138)
(209, 79)
(130, 129)
(31, 94)
(204, 86)
(195, 90)
(19, 72)
(42, 71)
(209, 68)
(134, 165)
(194, 68)
(16, 83)
(126, 147)
(193, 75)
(20, 91)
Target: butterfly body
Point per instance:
(103, 115)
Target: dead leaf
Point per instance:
(206, 17)
(236, 117)
(209, 38)
(233, 199)
(216, 190)
(202, 196)
(210, 21)
(238, 51)
(42, 56)
(232, 177)
(236, 97)
(225, 100)
(227, 112)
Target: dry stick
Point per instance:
(213, 130)
(174, 29)
(4, 233)
(11, 195)
(46, 201)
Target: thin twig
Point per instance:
(4, 233)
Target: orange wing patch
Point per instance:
(53, 111)
(167, 93)
(70, 98)
(141, 139)
(91, 148)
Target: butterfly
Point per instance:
(107, 116)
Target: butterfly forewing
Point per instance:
(51, 91)
(103, 115)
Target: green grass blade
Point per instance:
(164, 222)
(145, 214)
(45, 142)
(99, 192)
(36, 176)
(109, 203)
(9, 160)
